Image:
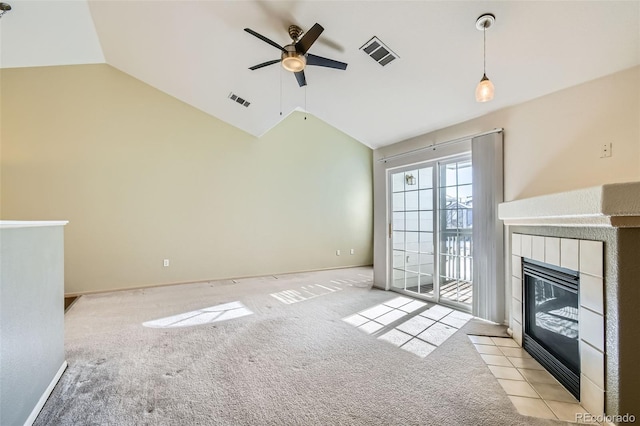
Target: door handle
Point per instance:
(390, 232)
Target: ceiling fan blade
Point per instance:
(264, 64)
(325, 62)
(263, 38)
(309, 38)
(300, 77)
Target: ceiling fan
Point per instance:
(294, 56)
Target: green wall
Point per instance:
(143, 177)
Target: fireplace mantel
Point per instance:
(613, 205)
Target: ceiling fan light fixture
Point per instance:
(4, 8)
(485, 89)
(292, 60)
(293, 63)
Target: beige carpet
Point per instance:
(263, 351)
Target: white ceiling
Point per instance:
(41, 33)
(198, 52)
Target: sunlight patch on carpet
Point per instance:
(224, 312)
(420, 334)
(314, 290)
(306, 292)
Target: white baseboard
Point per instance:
(43, 399)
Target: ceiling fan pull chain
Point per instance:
(281, 91)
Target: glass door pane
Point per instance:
(455, 236)
(412, 226)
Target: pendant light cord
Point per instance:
(484, 49)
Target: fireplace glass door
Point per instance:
(551, 321)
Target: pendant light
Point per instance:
(485, 89)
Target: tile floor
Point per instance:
(421, 331)
(532, 390)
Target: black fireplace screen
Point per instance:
(551, 321)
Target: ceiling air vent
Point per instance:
(379, 51)
(239, 100)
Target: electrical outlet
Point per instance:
(605, 150)
(166, 262)
(352, 251)
(337, 252)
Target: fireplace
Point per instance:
(595, 231)
(551, 329)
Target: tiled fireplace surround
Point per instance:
(595, 231)
(586, 257)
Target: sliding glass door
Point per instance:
(455, 236)
(430, 230)
(412, 230)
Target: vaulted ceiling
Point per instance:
(198, 52)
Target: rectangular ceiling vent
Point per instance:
(239, 100)
(379, 51)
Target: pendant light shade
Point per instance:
(485, 89)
